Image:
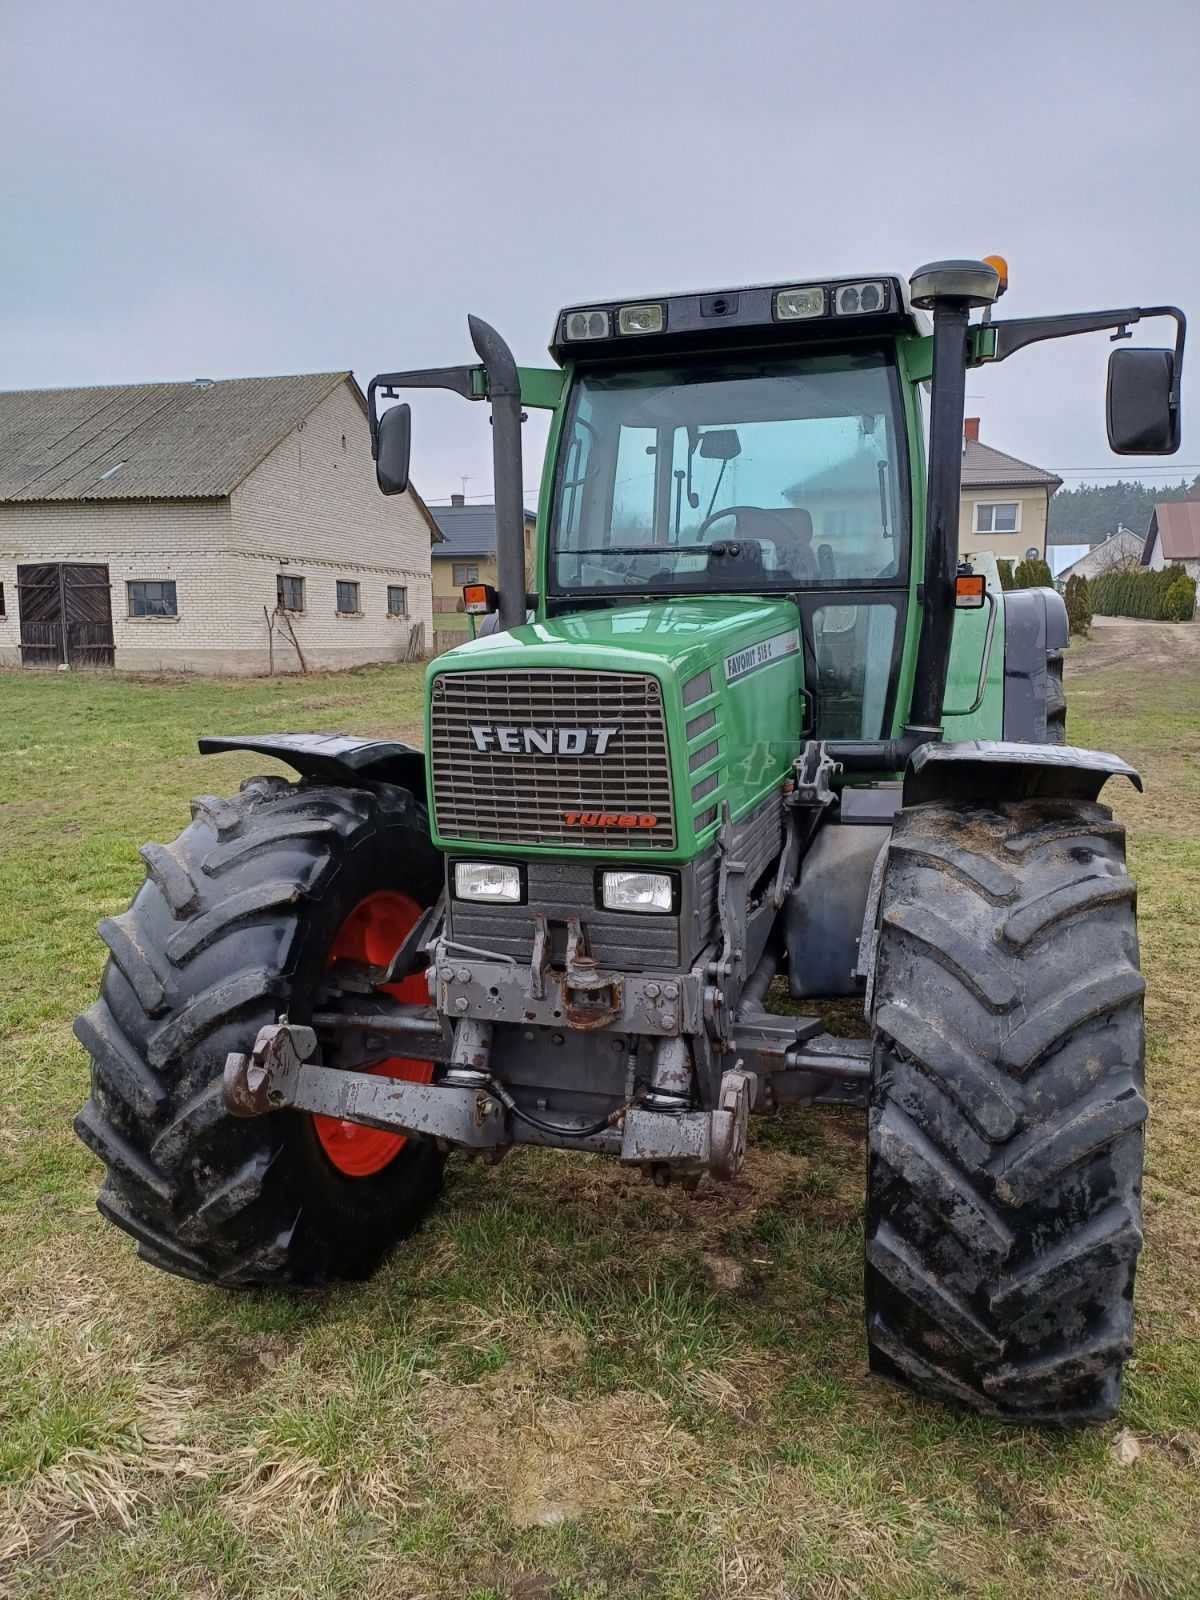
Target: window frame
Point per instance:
(356, 609)
(993, 506)
(568, 458)
(400, 589)
(3, 612)
(471, 568)
(281, 580)
(809, 602)
(162, 584)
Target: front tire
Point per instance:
(234, 926)
(1005, 1135)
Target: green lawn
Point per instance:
(570, 1384)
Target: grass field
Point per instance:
(569, 1384)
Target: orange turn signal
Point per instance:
(478, 599)
(969, 590)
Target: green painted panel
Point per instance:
(749, 648)
(915, 354)
(541, 387)
(977, 665)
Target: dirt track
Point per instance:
(1172, 645)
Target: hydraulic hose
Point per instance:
(555, 1129)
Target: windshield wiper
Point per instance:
(638, 550)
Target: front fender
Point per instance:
(993, 769)
(333, 757)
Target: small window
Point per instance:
(854, 647)
(3, 613)
(1001, 516)
(289, 593)
(152, 599)
(465, 572)
(347, 598)
(397, 600)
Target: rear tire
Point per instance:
(1005, 1137)
(233, 927)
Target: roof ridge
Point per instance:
(181, 383)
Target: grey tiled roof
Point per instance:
(467, 530)
(983, 468)
(148, 440)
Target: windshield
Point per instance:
(732, 475)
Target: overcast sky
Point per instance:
(224, 189)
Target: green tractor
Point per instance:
(756, 722)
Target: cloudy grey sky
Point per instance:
(223, 189)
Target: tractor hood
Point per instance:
(729, 672)
(681, 637)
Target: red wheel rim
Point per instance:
(372, 933)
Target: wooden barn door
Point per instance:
(66, 615)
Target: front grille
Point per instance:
(525, 798)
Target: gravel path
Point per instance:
(1174, 646)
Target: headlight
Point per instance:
(487, 881)
(793, 305)
(640, 319)
(853, 299)
(637, 891)
(586, 325)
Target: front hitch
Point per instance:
(470, 1108)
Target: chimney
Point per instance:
(458, 499)
(970, 430)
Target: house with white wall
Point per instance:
(218, 527)
(1121, 549)
(1173, 538)
(1005, 502)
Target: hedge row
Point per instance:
(1165, 596)
(1027, 574)
(1079, 605)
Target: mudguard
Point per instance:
(987, 769)
(332, 757)
(1035, 627)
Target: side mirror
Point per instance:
(1143, 411)
(392, 449)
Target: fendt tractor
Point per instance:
(746, 721)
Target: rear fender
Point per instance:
(985, 769)
(1035, 627)
(333, 757)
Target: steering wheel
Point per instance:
(736, 511)
(801, 566)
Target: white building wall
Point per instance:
(1157, 561)
(311, 509)
(314, 511)
(1032, 507)
(137, 539)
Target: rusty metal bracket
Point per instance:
(539, 957)
(729, 1122)
(592, 998)
(279, 1073)
(686, 1144)
(261, 1081)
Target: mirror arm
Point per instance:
(1180, 335)
(466, 381)
(1017, 332)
